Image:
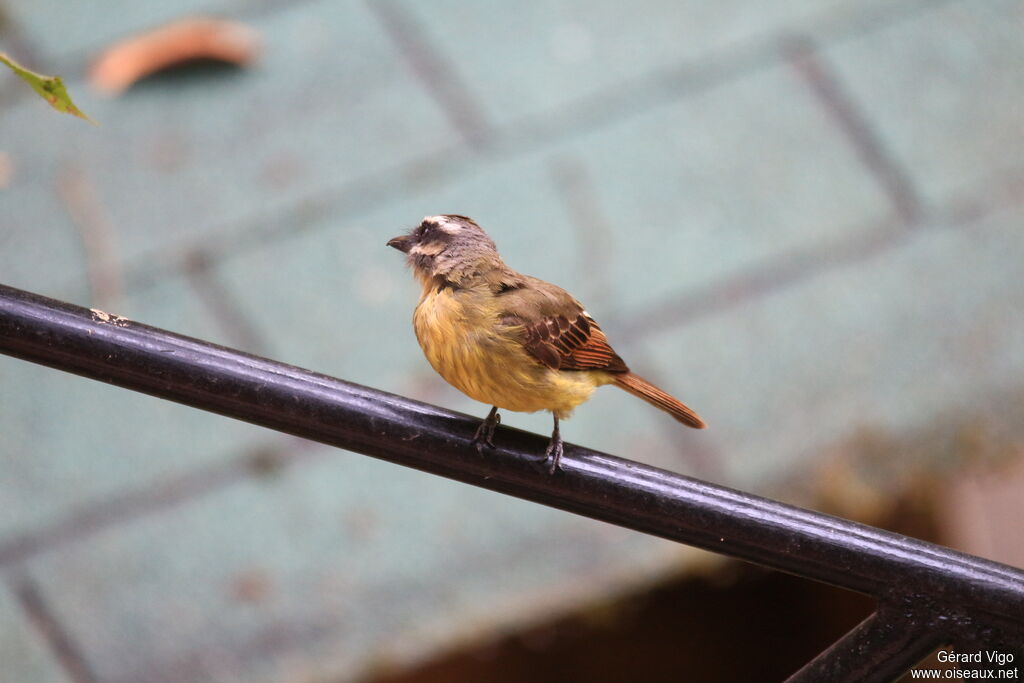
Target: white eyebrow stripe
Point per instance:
(444, 224)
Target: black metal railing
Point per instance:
(928, 596)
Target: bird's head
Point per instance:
(448, 246)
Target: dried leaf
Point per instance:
(50, 88)
(180, 41)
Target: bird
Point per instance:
(509, 340)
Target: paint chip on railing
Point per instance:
(104, 317)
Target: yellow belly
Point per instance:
(464, 342)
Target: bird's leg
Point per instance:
(485, 432)
(554, 451)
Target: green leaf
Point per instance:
(50, 88)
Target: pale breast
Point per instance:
(466, 344)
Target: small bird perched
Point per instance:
(507, 339)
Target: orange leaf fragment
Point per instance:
(187, 39)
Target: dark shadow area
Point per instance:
(737, 622)
(759, 626)
(190, 73)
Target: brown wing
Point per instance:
(564, 344)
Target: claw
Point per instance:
(553, 453)
(484, 434)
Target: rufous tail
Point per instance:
(641, 388)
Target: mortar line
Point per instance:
(365, 193)
(93, 517)
(777, 273)
(222, 305)
(515, 139)
(62, 646)
(826, 85)
(432, 68)
(97, 235)
(594, 232)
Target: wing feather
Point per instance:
(561, 344)
(555, 329)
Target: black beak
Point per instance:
(402, 244)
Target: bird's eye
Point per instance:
(425, 230)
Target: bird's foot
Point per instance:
(553, 454)
(485, 432)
